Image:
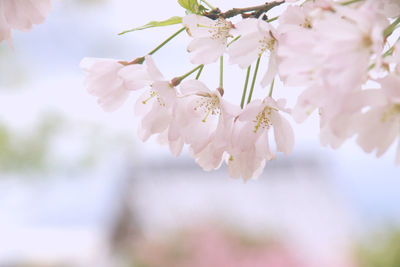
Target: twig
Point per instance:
(256, 11)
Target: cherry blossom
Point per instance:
(250, 148)
(21, 15)
(210, 37)
(204, 120)
(257, 38)
(343, 55)
(104, 83)
(378, 127)
(155, 106)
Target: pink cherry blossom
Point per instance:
(345, 57)
(347, 40)
(297, 61)
(210, 37)
(104, 83)
(379, 126)
(21, 15)
(257, 38)
(204, 120)
(250, 148)
(112, 80)
(156, 106)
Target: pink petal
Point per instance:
(283, 133)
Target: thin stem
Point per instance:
(391, 49)
(177, 80)
(245, 87)
(390, 29)
(273, 19)
(254, 80)
(190, 72)
(199, 73)
(208, 4)
(233, 40)
(350, 2)
(271, 89)
(221, 72)
(166, 41)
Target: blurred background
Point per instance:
(78, 188)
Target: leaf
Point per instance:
(151, 24)
(190, 5)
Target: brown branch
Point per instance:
(256, 11)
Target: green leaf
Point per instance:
(151, 24)
(190, 5)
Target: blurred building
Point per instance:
(98, 219)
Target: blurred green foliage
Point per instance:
(27, 151)
(58, 145)
(383, 250)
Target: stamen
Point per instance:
(394, 110)
(152, 94)
(263, 119)
(208, 113)
(220, 30)
(266, 44)
(158, 98)
(209, 106)
(307, 24)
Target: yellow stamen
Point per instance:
(208, 113)
(394, 110)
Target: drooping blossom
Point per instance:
(335, 64)
(334, 52)
(104, 80)
(155, 106)
(204, 120)
(21, 15)
(210, 37)
(250, 148)
(348, 38)
(379, 126)
(257, 37)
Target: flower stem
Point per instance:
(390, 29)
(199, 73)
(208, 4)
(273, 19)
(233, 40)
(390, 51)
(190, 72)
(221, 72)
(166, 41)
(245, 87)
(271, 89)
(350, 2)
(254, 80)
(177, 80)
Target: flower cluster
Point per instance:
(21, 15)
(344, 55)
